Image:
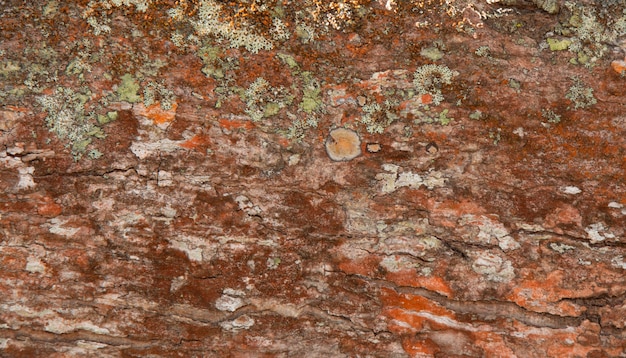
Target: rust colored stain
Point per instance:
(157, 114)
(411, 278)
(619, 66)
(413, 303)
(198, 142)
(231, 124)
(49, 210)
(364, 266)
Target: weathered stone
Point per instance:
(187, 178)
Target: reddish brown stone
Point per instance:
(194, 210)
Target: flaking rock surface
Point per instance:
(166, 189)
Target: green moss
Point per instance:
(127, 90)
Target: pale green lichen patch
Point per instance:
(263, 100)
(551, 116)
(432, 53)
(156, 91)
(428, 117)
(128, 88)
(558, 44)
(311, 100)
(67, 118)
(377, 117)
(493, 267)
(208, 22)
(590, 32)
(429, 79)
(213, 66)
(9, 67)
(109, 117)
(476, 115)
(393, 178)
(581, 95)
(288, 60)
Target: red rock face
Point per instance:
(167, 188)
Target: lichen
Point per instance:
(67, 119)
(343, 145)
(558, 44)
(593, 29)
(580, 94)
(156, 91)
(262, 100)
(429, 79)
(128, 88)
(208, 23)
(394, 178)
(311, 99)
(377, 117)
(551, 116)
(432, 53)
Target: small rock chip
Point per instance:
(432, 148)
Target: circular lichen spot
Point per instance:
(343, 144)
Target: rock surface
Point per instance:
(166, 189)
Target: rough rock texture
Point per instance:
(166, 189)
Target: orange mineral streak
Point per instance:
(619, 66)
(231, 124)
(403, 322)
(409, 311)
(196, 141)
(539, 295)
(410, 278)
(157, 114)
(416, 347)
(17, 109)
(415, 303)
(365, 266)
